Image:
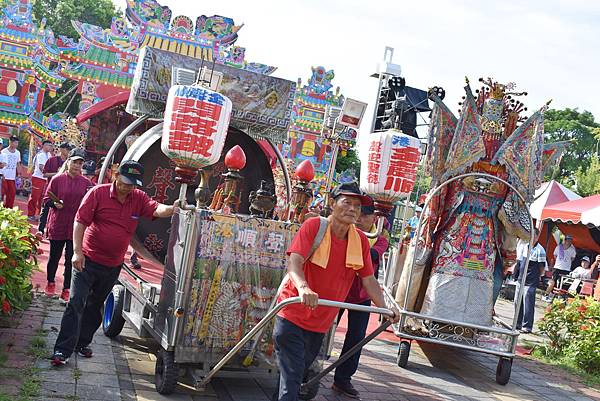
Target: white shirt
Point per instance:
(565, 263)
(40, 158)
(581, 273)
(522, 249)
(2, 160)
(11, 159)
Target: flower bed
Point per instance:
(574, 332)
(18, 250)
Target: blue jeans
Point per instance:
(527, 310)
(357, 328)
(296, 349)
(83, 314)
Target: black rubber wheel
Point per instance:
(403, 353)
(503, 371)
(166, 372)
(112, 319)
(308, 393)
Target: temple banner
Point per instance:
(262, 104)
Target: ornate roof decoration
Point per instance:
(29, 68)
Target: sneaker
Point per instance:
(64, 295)
(525, 331)
(85, 352)
(50, 289)
(346, 389)
(58, 358)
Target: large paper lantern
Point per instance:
(195, 126)
(390, 171)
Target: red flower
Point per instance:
(6, 250)
(5, 306)
(2, 280)
(582, 309)
(583, 327)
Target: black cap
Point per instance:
(132, 172)
(14, 139)
(77, 154)
(352, 189)
(367, 210)
(65, 145)
(45, 141)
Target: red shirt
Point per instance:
(71, 191)
(110, 223)
(53, 164)
(332, 283)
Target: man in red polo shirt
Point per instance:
(327, 273)
(104, 224)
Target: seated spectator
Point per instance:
(583, 271)
(596, 268)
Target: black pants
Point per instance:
(357, 328)
(56, 249)
(44, 217)
(296, 349)
(83, 314)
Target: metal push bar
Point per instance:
(273, 312)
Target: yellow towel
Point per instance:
(354, 257)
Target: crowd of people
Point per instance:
(565, 255)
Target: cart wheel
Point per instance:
(403, 353)
(308, 393)
(166, 372)
(503, 370)
(113, 321)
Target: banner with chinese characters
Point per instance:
(240, 262)
(262, 104)
(391, 168)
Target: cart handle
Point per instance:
(273, 312)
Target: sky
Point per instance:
(549, 48)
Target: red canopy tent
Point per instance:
(549, 193)
(579, 218)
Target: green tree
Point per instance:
(422, 184)
(588, 179)
(58, 15)
(348, 161)
(579, 127)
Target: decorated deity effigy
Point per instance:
(471, 228)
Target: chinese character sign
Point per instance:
(195, 126)
(391, 168)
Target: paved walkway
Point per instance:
(123, 369)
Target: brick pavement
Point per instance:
(123, 368)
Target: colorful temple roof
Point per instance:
(29, 68)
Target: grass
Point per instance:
(590, 379)
(76, 374)
(37, 347)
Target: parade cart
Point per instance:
(210, 307)
(499, 339)
(485, 167)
